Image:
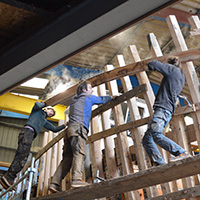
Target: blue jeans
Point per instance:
(153, 136)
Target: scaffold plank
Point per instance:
(145, 178)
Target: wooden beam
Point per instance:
(195, 26)
(111, 168)
(116, 73)
(185, 110)
(119, 99)
(195, 32)
(95, 150)
(181, 194)
(138, 133)
(42, 167)
(122, 142)
(155, 175)
(118, 129)
(156, 51)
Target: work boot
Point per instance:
(185, 154)
(78, 183)
(54, 188)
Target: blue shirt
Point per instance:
(81, 108)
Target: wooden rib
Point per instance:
(156, 175)
(119, 99)
(116, 73)
(181, 194)
(118, 129)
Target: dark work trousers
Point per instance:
(25, 139)
(73, 154)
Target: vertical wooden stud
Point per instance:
(108, 142)
(121, 138)
(42, 167)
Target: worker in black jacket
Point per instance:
(32, 127)
(164, 106)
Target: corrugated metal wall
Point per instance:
(9, 131)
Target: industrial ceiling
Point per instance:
(36, 36)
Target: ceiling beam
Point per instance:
(26, 7)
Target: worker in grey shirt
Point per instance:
(76, 136)
(164, 106)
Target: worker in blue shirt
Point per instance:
(32, 127)
(164, 106)
(76, 136)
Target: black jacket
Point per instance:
(37, 119)
(171, 84)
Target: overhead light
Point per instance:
(36, 83)
(26, 95)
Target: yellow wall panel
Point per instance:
(23, 105)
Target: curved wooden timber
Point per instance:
(134, 181)
(116, 73)
(119, 99)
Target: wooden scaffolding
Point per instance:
(126, 172)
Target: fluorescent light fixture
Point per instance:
(27, 95)
(36, 83)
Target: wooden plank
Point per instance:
(189, 71)
(195, 32)
(181, 110)
(121, 137)
(95, 150)
(47, 168)
(130, 69)
(138, 133)
(193, 84)
(178, 122)
(156, 51)
(131, 125)
(118, 129)
(111, 167)
(54, 157)
(155, 175)
(143, 79)
(181, 194)
(195, 26)
(42, 167)
(95, 147)
(119, 99)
